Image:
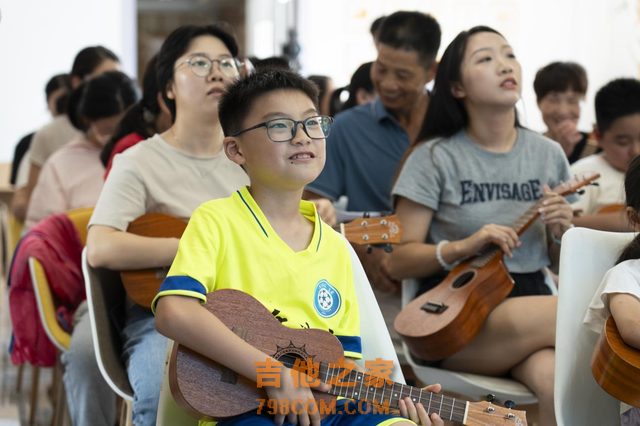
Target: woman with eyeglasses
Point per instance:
(172, 173)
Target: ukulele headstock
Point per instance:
(485, 413)
(373, 230)
(574, 185)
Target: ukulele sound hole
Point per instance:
(463, 280)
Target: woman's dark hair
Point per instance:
(141, 118)
(60, 81)
(361, 79)
(90, 58)
(177, 44)
(104, 96)
(632, 194)
(560, 77)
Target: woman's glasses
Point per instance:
(202, 66)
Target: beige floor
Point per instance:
(14, 406)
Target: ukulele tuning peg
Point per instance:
(490, 397)
(510, 404)
(369, 249)
(594, 183)
(366, 215)
(388, 248)
(581, 191)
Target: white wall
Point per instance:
(602, 35)
(40, 38)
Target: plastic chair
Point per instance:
(473, 386)
(585, 257)
(376, 343)
(104, 292)
(47, 312)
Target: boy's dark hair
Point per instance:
(375, 26)
(178, 42)
(104, 96)
(560, 77)
(90, 58)
(241, 95)
(632, 193)
(412, 31)
(616, 99)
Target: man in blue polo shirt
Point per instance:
(368, 142)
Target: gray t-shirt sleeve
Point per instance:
(331, 182)
(420, 180)
(123, 197)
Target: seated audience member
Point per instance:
(148, 117)
(560, 90)
(368, 142)
(89, 62)
(617, 131)
(474, 172)
(360, 91)
(619, 293)
(326, 86)
(56, 90)
(72, 177)
(171, 173)
(263, 225)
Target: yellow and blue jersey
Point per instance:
(229, 243)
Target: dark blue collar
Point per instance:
(379, 111)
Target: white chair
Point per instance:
(585, 257)
(376, 343)
(474, 386)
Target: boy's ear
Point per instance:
(632, 216)
(597, 134)
(233, 150)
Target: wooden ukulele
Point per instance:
(207, 390)
(445, 319)
(142, 285)
(616, 366)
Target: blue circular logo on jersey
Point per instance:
(327, 300)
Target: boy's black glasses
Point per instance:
(285, 129)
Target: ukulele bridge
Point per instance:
(434, 307)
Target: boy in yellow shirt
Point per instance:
(266, 241)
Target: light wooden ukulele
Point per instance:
(207, 390)
(616, 366)
(142, 285)
(445, 319)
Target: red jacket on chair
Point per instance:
(56, 244)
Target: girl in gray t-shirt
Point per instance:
(478, 172)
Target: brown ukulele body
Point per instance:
(616, 366)
(203, 387)
(469, 294)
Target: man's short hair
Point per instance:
(412, 31)
(560, 77)
(617, 99)
(241, 95)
